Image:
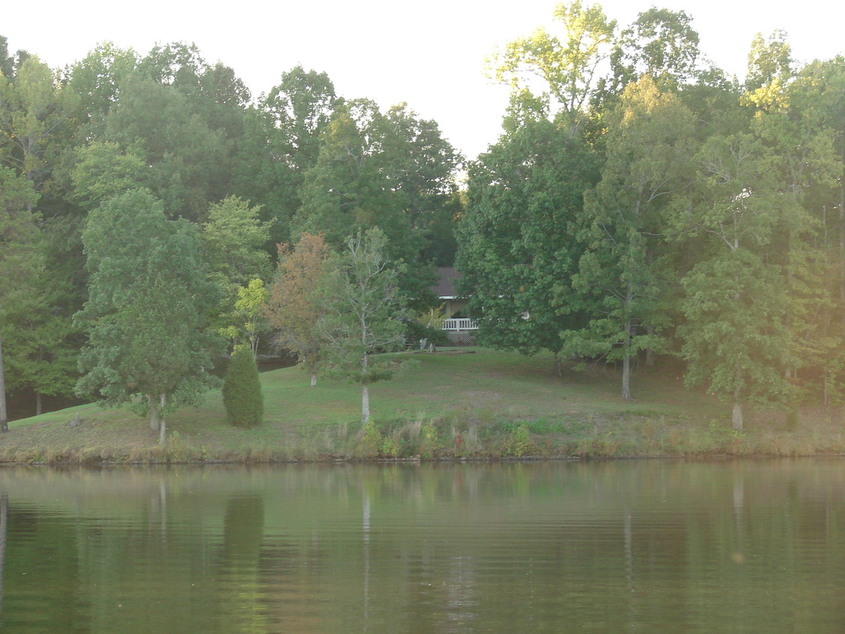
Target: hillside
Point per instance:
(452, 404)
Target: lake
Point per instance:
(644, 546)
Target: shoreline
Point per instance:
(486, 406)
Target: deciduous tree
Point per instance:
(19, 258)
(517, 237)
(622, 277)
(295, 304)
(146, 314)
(364, 315)
(566, 65)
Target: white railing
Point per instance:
(463, 323)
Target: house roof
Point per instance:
(447, 276)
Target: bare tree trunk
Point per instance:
(842, 247)
(4, 529)
(736, 416)
(313, 379)
(162, 423)
(153, 412)
(38, 404)
(626, 364)
(365, 403)
(4, 414)
(558, 368)
(365, 391)
(626, 377)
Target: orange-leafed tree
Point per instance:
(295, 305)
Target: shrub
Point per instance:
(242, 390)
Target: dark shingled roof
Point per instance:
(446, 278)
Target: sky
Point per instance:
(430, 54)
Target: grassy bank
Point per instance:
(448, 405)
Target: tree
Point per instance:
(19, 258)
(102, 170)
(735, 337)
(42, 345)
(233, 242)
(815, 127)
(736, 303)
(347, 189)
(187, 159)
(146, 314)
(364, 314)
(661, 44)
(295, 304)
(565, 67)
(769, 63)
(380, 171)
(96, 81)
(517, 246)
(622, 276)
(247, 321)
(242, 390)
(34, 114)
(281, 141)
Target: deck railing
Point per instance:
(462, 323)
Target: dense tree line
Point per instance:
(665, 208)
(143, 198)
(637, 203)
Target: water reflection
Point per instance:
(425, 548)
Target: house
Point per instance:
(459, 329)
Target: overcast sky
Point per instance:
(429, 54)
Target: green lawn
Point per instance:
(455, 403)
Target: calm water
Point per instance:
(650, 546)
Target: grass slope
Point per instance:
(452, 404)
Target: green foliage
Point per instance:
(518, 247)
(393, 171)
(736, 337)
(295, 304)
(104, 170)
(370, 440)
(564, 59)
(520, 443)
(233, 242)
(20, 260)
(660, 44)
(247, 321)
(621, 279)
(146, 314)
(242, 390)
(364, 313)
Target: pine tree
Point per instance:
(242, 390)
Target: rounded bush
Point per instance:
(242, 390)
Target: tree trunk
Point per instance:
(313, 379)
(558, 367)
(842, 247)
(4, 530)
(365, 403)
(736, 417)
(162, 423)
(365, 391)
(38, 403)
(153, 412)
(626, 364)
(4, 415)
